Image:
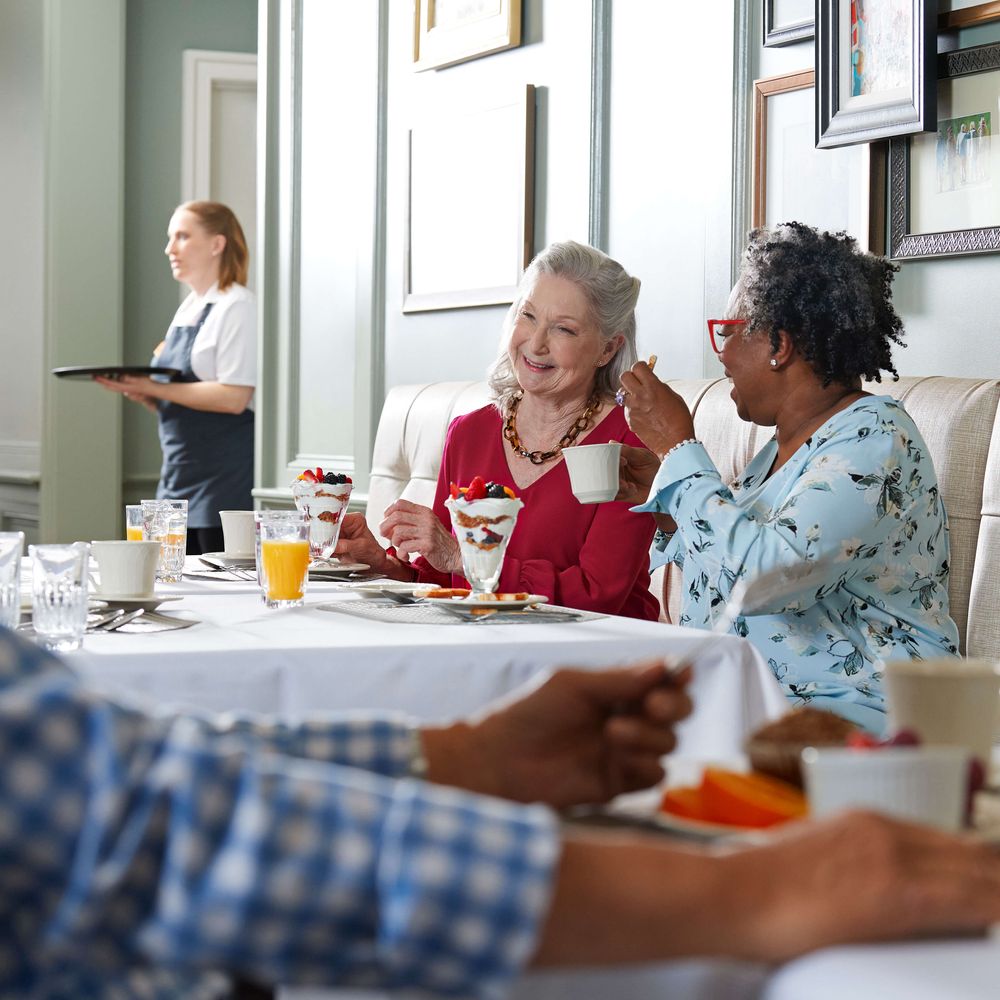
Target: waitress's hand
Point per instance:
(134, 388)
(412, 528)
(654, 411)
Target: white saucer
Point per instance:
(374, 588)
(331, 569)
(148, 602)
(247, 560)
(482, 602)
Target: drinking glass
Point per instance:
(284, 557)
(59, 594)
(165, 521)
(11, 546)
(133, 522)
(483, 529)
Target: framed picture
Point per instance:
(446, 32)
(469, 232)
(832, 189)
(788, 21)
(964, 14)
(875, 74)
(944, 189)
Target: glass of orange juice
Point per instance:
(133, 522)
(284, 557)
(165, 521)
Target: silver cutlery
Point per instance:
(120, 620)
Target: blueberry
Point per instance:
(495, 491)
(330, 478)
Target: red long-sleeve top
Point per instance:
(594, 557)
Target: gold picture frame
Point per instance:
(446, 32)
(832, 189)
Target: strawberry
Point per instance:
(309, 476)
(319, 474)
(477, 489)
(453, 489)
(347, 479)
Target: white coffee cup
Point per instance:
(593, 471)
(949, 700)
(922, 784)
(126, 569)
(238, 533)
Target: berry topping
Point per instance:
(336, 479)
(309, 476)
(454, 491)
(495, 491)
(476, 490)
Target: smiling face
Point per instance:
(193, 251)
(555, 345)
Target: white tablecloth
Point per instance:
(292, 662)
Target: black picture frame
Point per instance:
(843, 119)
(776, 35)
(960, 241)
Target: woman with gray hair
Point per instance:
(567, 339)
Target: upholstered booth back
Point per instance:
(957, 417)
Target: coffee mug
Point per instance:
(593, 471)
(126, 569)
(238, 533)
(951, 701)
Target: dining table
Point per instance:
(346, 651)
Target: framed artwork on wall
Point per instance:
(966, 13)
(832, 189)
(446, 32)
(944, 188)
(469, 220)
(788, 21)
(875, 62)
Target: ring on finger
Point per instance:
(620, 397)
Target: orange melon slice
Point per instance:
(756, 800)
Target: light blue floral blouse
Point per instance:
(861, 495)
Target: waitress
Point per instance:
(206, 414)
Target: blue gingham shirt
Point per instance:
(140, 852)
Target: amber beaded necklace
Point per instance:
(581, 423)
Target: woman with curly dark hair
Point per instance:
(844, 495)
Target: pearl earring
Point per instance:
(774, 362)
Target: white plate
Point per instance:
(332, 568)
(480, 602)
(238, 562)
(372, 588)
(700, 829)
(148, 603)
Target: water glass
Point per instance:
(283, 566)
(59, 594)
(133, 522)
(11, 547)
(165, 521)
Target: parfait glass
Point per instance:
(324, 505)
(483, 529)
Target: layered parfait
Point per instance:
(323, 497)
(483, 516)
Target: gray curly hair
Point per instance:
(611, 294)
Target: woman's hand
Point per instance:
(654, 411)
(412, 528)
(357, 544)
(637, 468)
(134, 387)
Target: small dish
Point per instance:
(374, 589)
(148, 602)
(495, 603)
(332, 569)
(695, 829)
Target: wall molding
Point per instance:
(600, 122)
(20, 462)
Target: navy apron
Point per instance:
(207, 457)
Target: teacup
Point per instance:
(922, 784)
(126, 569)
(949, 700)
(239, 536)
(593, 471)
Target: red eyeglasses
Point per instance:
(719, 329)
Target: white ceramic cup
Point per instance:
(923, 784)
(950, 701)
(126, 569)
(593, 471)
(238, 533)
